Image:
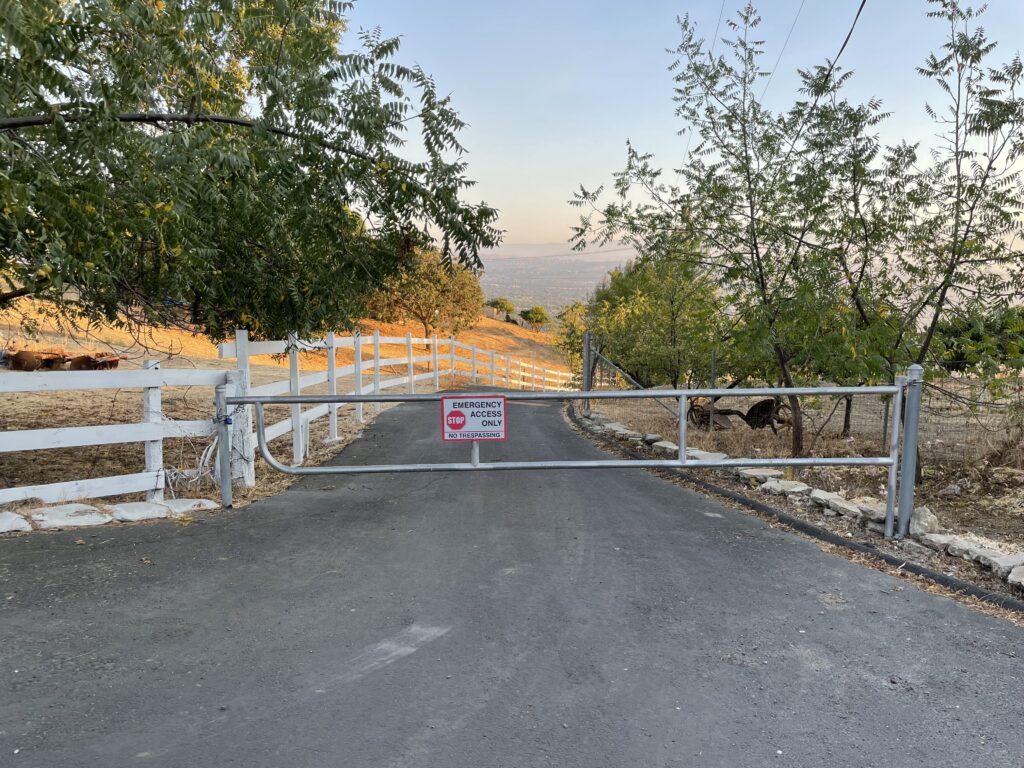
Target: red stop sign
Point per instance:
(456, 420)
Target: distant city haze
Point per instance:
(548, 274)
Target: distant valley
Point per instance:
(547, 274)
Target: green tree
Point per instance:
(837, 257)
(439, 296)
(502, 305)
(536, 316)
(981, 343)
(228, 155)
(961, 248)
(659, 318)
(573, 322)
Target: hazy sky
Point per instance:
(552, 89)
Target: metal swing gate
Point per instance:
(906, 389)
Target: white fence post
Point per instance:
(294, 389)
(451, 353)
(332, 388)
(473, 366)
(433, 354)
(243, 440)
(376, 367)
(544, 379)
(508, 372)
(533, 375)
(492, 369)
(152, 413)
(357, 364)
(410, 368)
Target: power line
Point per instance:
(689, 136)
(847, 40)
(788, 35)
(828, 76)
(718, 26)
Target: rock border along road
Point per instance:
(560, 618)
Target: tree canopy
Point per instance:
(837, 257)
(439, 296)
(502, 305)
(228, 156)
(535, 316)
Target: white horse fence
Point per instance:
(378, 364)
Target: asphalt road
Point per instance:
(504, 619)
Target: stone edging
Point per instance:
(64, 516)
(869, 512)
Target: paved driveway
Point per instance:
(502, 619)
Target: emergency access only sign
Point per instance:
(473, 418)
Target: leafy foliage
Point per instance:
(224, 155)
(982, 343)
(439, 296)
(659, 319)
(535, 316)
(573, 322)
(838, 258)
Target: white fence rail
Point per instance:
(151, 431)
(372, 370)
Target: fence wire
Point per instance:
(964, 420)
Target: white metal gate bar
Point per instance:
(682, 396)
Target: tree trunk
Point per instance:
(846, 416)
(797, 445)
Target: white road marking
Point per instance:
(388, 651)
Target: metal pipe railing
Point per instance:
(902, 469)
(630, 394)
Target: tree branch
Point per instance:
(155, 118)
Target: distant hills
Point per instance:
(549, 274)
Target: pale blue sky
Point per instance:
(553, 89)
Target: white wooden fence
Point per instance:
(151, 431)
(370, 372)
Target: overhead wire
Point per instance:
(826, 79)
(784, 45)
(714, 42)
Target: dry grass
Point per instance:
(191, 349)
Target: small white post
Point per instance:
(357, 348)
(243, 441)
(376, 367)
(473, 365)
(544, 379)
(294, 389)
(433, 354)
(332, 388)
(409, 365)
(533, 375)
(508, 372)
(451, 353)
(154, 449)
(492, 369)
